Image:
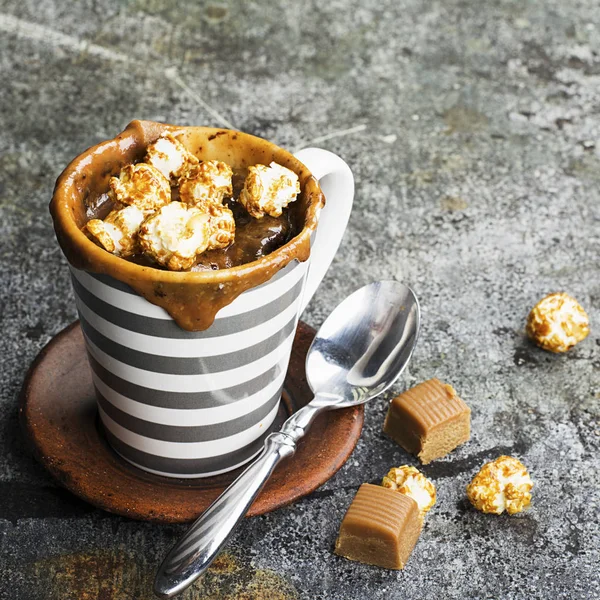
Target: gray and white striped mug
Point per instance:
(198, 403)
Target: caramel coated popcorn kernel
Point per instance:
(557, 322)
(207, 182)
(175, 235)
(141, 185)
(222, 226)
(268, 190)
(501, 485)
(170, 156)
(410, 481)
(118, 232)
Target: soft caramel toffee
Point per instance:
(381, 528)
(261, 248)
(428, 420)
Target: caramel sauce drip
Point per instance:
(192, 298)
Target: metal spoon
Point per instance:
(358, 353)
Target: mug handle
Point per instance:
(337, 182)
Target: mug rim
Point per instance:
(74, 242)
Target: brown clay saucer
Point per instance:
(59, 417)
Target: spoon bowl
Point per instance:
(364, 345)
(358, 353)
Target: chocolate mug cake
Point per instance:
(96, 183)
(193, 252)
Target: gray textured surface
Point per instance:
(478, 182)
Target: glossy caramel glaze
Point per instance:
(254, 238)
(191, 298)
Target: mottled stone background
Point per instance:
(473, 130)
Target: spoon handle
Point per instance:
(194, 552)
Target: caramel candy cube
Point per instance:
(429, 420)
(381, 528)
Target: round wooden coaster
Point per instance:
(58, 414)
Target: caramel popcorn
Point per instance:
(557, 322)
(501, 485)
(175, 235)
(207, 182)
(142, 186)
(222, 226)
(268, 190)
(118, 232)
(170, 156)
(411, 482)
(170, 207)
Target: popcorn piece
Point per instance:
(170, 156)
(500, 485)
(208, 182)
(141, 185)
(268, 190)
(175, 235)
(410, 481)
(222, 226)
(117, 233)
(557, 323)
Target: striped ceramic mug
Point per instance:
(193, 404)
